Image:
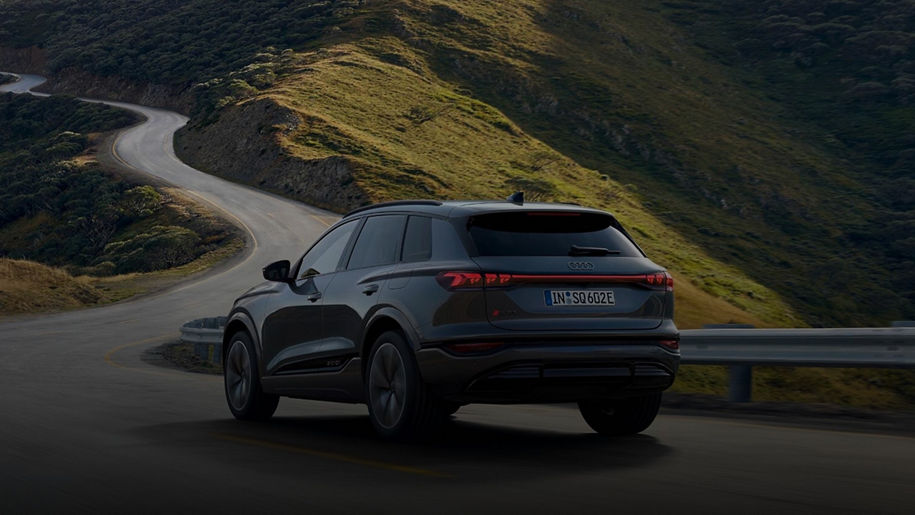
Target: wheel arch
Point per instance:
(241, 321)
(387, 319)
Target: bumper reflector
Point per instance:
(473, 348)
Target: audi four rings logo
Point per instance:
(580, 265)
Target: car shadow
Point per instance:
(463, 450)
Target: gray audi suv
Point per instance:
(417, 308)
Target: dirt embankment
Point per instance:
(23, 60)
(76, 82)
(244, 145)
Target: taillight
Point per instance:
(472, 280)
(460, 280)
(660, 281)
(496, 280)
(476, 280)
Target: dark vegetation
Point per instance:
(59, 208)
(176, 43)
(163, 41)
(847, 67)
(4, 78)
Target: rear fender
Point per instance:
(413, 337)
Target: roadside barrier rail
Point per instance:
(206, 335)
(740, 347)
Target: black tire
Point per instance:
(246, 399)
(400, 406)
(619, 417)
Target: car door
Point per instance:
(356, 290)
(292, 332)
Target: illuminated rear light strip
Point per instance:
(477, 280)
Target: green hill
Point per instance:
(710, 128)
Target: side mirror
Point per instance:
(278, 271)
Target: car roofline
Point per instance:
(450, 208)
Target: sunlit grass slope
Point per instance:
(421, 138)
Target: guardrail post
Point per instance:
(740, 383)
(740, 377)
(206, 336)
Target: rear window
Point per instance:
(543, 233)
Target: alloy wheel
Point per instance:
(387, 385)
(238, 375)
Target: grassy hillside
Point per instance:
(848, 69)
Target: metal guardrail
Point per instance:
(740, 347)
(892, 347)
(206, 335)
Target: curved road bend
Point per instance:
(86, 425)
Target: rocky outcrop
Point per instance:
(244, 145)
(23, 60)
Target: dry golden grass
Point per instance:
(29, 287)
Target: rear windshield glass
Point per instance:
(540, 233)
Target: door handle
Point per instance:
(370, 289)
(314, 297)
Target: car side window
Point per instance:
(445, 242)
(324, 256)
(378, 242)
(417, 243)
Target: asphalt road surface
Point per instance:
(89, 424)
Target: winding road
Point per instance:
(90, 424)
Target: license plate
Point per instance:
(579, 297)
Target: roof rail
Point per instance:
(394, 203)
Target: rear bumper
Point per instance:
(549, 372)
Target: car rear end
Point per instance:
(557, 303)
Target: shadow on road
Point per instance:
(464, 450)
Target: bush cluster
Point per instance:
(164, 41)
(847, 66)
